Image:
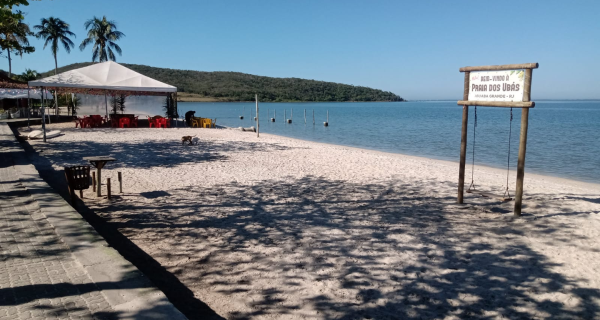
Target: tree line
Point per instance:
(236, 86)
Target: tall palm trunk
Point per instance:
(55, 105)
(9, 64)
(55, 92)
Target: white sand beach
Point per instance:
(279, 228)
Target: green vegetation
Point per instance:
(55, 31)
(235, 86)
(117, 103)
(26, 76)
(102, 34)
(13, 34)
(71, 101)
(169, 107)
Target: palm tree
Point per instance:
(103, 34)
(13, 34)
(54, 30)
(28, 75)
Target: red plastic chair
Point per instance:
(134, 122)
(86, 122)
(151, 122)
(96, 120)
(114, 121)
(124, 122)
(161, 123)
(79, 122)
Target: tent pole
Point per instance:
(56, 104)
(28, 107)
(175, 101)
(46, 111)
(43, 113)
(106, 105)
(176, 114)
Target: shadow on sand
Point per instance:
(398, 250)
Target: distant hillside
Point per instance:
(235, 86)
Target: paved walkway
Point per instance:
(53, 265)
(39, 279)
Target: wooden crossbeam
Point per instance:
(534, 65)
(504, 104)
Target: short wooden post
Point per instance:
(304, 116)
(94, 181)
(523, 143)
(313, 116)
(463, 141)
(99, 187)
(120, 181)
(108, 187)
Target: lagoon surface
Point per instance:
(563, 139)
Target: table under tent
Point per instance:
(99, 82)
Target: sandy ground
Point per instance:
(278, 228)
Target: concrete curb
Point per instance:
(123, 285)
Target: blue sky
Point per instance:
(412, 48)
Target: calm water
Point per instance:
(563, 139)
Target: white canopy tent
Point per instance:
(107, 79)
(107, 76)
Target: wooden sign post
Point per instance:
(506, 86)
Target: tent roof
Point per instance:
(106, 75)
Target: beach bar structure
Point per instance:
(507, 86)
(106, 78)
(20, 92)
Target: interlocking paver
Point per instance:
(39, 279)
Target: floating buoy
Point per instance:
(254, 118)
(272, 119)
(289, 120)
(241, 117)
(326, 124)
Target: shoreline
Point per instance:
(537, 176)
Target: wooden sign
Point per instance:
(504, 85)
(508, 86)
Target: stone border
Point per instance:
(124, 286)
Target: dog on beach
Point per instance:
(188, 139)
(195, 140)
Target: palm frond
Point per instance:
(95, 54)
(66, 44)
(47, 41)
(111, 54)
(84, 43)
(116, 47)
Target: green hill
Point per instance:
(236, 86)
